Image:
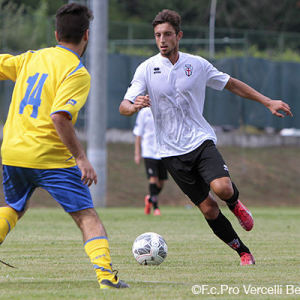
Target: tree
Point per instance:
(277, 15)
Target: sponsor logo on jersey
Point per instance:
(157, 70)
(72, 101)
(188, 70)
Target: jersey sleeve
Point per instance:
(139, 124)
(9, 66)
(137, 86)
(214, 78)
(72, 94)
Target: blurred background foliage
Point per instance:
(259, 28)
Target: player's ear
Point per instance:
(86, 35)
(56, 36)
(179, 35)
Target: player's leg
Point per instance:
(157, 174)
(17, 191)
(8, 220)
(67, 189)
(226, 190)
(162, 176)
(155, 187)
(96, 246)
(183, 171)
(223, 229)
(214, 171)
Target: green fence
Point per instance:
(278, 80)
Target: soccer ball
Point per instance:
(150, 249)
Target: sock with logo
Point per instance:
(8, 220)
(97, 249)
(223, 229)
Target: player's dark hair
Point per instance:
(168, 16)
(72, 21)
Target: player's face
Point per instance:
(166, 38)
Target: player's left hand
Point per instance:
(88, 173)
(276, 105)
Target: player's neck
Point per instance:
(172, 56)
(78, 49)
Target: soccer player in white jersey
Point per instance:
(40, 147)
(146, 147)
(173, 84)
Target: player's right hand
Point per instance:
(137, 159)
(141, 102)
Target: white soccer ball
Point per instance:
(150, 249)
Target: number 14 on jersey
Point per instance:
(33, 96)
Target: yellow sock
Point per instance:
(97, 249)
(8, 220)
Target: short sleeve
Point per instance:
(72, 94)
(9, 66)
(214, 78)
(139, 124)
(137, 86)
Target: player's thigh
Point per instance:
(211, 164)
(162, 171)
(66, 187)
(151, 167)
(18, 186)
(187, 179)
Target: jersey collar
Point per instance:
(64, 47)
(166, 61)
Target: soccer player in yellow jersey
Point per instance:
(40, 147)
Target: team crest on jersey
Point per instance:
(188, 70)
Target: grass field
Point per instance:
(51, 263)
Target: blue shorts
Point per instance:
(64, 185)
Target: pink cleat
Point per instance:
(247, 259)
(244, 216)
(156, 212)
(148, 205)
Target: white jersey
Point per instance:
(144, 127)
(177, 94)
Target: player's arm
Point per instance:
(134, 99)
(67, 134)
(127, 108)
(9, 66)
(243, 90)
(137, 149)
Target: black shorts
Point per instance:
(155, 168)
(194, 171)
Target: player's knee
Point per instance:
(223, 188)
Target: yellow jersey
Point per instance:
(46, 81)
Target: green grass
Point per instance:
(47, 249)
